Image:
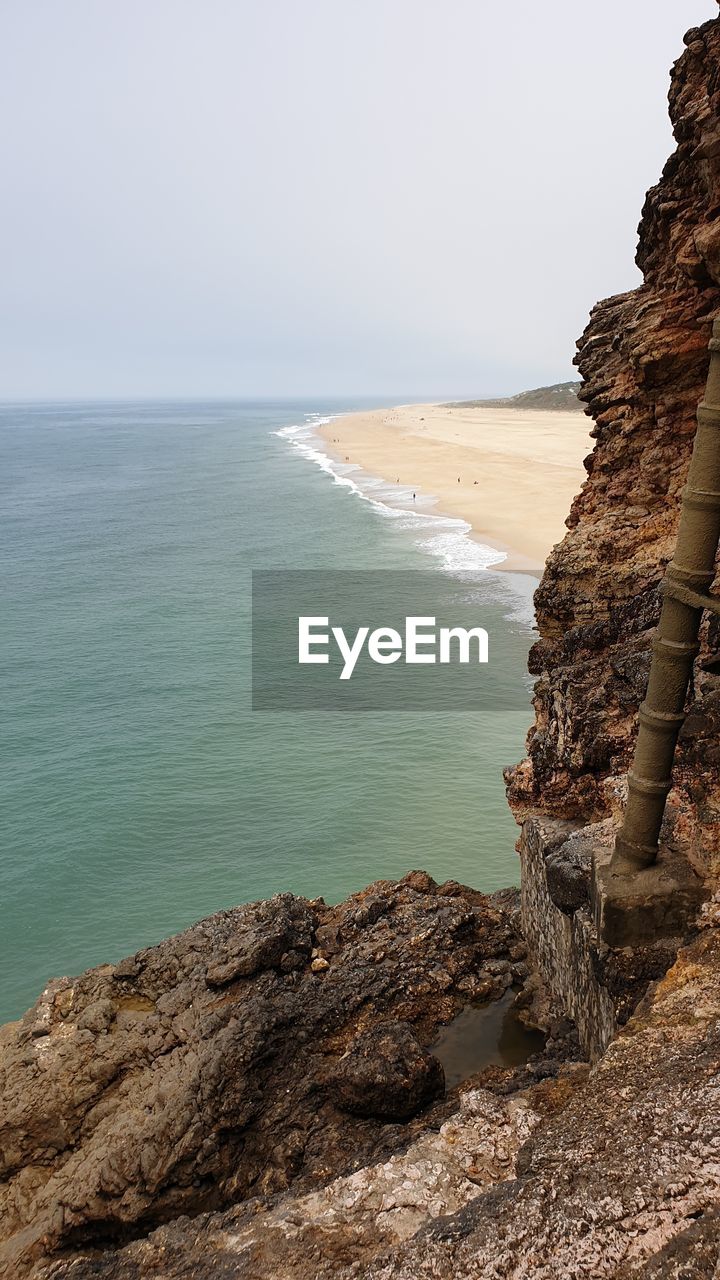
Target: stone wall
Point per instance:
(562, 941)
(596, 986)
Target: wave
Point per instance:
(446, 538)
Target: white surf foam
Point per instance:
(446, 538)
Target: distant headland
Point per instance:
(560, 395)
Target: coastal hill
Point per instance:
(561, 395)
(262, 1095)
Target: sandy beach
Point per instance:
(511, 473)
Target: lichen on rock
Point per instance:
(213, 1067)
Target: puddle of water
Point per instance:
(489, 1035)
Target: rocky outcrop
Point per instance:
(605, 1175)
(350, 1220)
(386, 1073)
(643, 359)
(171, 1116)
(281, 1042)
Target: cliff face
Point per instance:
(643, 358)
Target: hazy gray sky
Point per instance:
(282, 197)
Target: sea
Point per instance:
(139, 791)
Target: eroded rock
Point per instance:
(606, 1174)
(386, 1072)
(197, 1073)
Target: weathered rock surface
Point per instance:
(644, 360)
(605, 1174)
(385, 1072)
(351, 1219)
(211, 1068)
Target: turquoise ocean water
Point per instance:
(138, 791)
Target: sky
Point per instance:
(282, 198)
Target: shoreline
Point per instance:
(489, 467)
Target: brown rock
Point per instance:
(603, 1175)
(195, 1074)
(387, 1073)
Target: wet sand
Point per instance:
(511, 473)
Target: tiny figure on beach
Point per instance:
(458, 479)
(413, 497)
